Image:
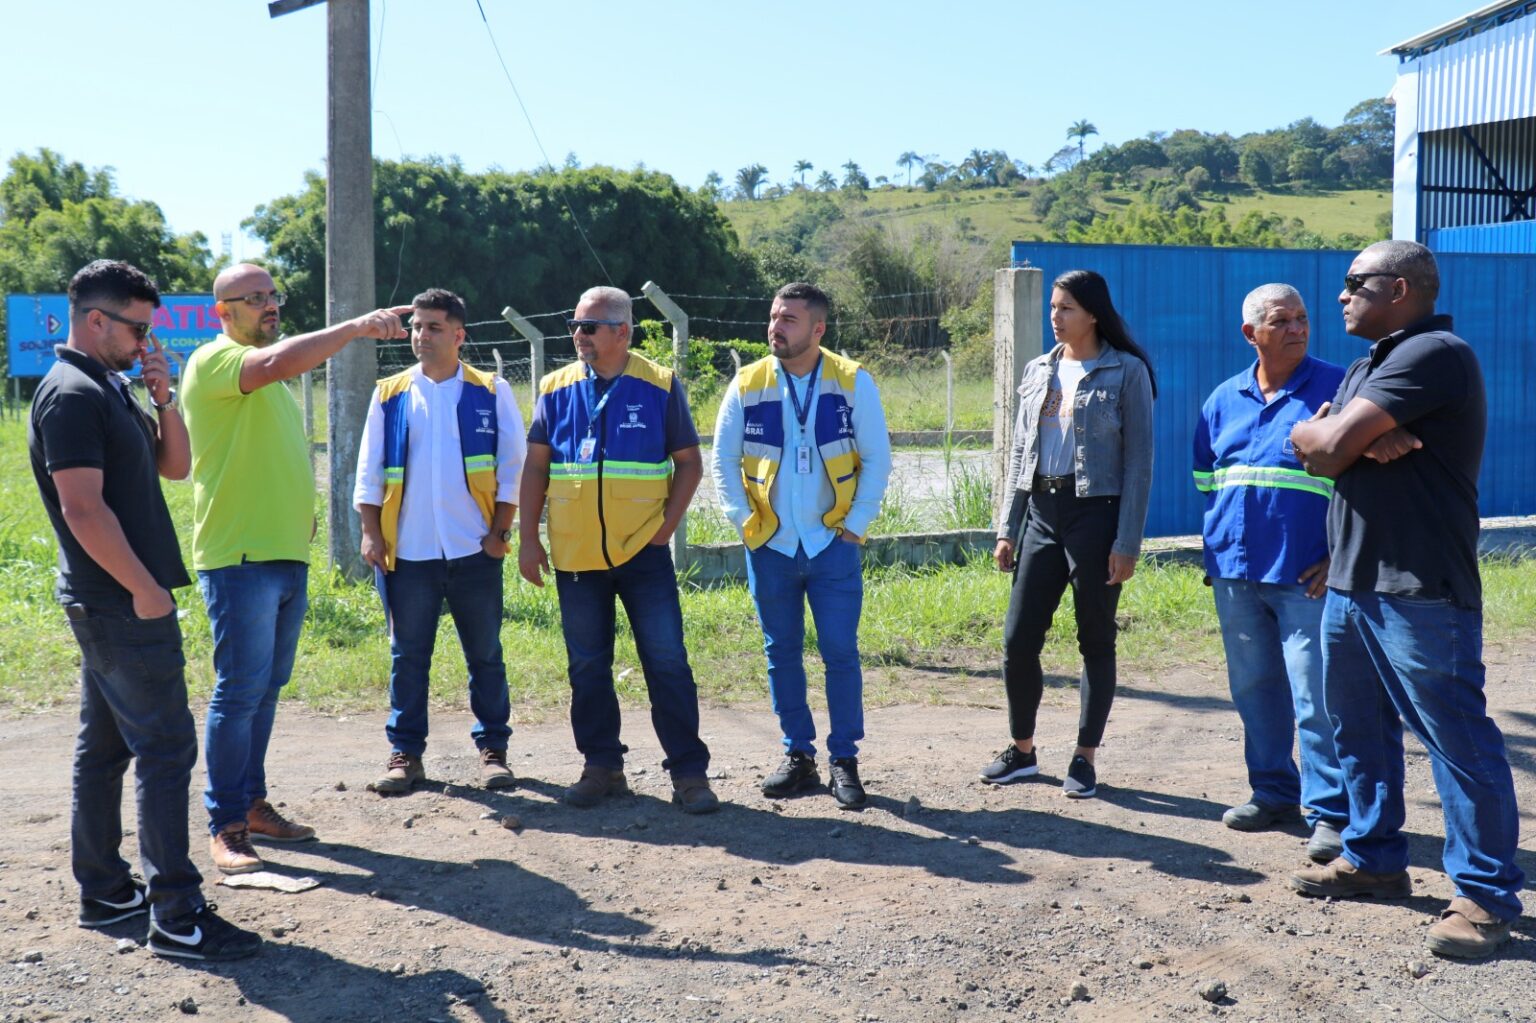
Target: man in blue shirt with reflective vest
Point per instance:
(801, 464)
(613, 453)
(1266, 559)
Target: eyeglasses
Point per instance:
(258, 299)
(589, 327)
(139, 327)
(1354, 282)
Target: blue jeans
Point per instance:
(472, 587)
(133, 704)
(833, 584)
(647, 586)
(1275, 670)
(256, 610)
(1390, 661)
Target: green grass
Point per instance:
(912, 618)
(1000, 215)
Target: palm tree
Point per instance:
(826, 182)
(854, 178)
(801, 166)
(907, 160)
(1080, 131)
(749, 178)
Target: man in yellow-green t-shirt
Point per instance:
(253, 516)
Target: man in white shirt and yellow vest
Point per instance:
(613, 452)
(437, 478)
(801, 463)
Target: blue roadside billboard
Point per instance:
(35, 323)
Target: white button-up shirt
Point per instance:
(438, 516)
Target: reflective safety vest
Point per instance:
(762, 449)
(477, 442)
(603, 511)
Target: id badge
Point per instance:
(587, 449)
(803, 459)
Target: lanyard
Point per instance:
(803, 412)
(593, 411)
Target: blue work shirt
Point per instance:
(1265, 515)
(801, 499)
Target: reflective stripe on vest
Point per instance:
(1263, 476)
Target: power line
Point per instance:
(534, 132)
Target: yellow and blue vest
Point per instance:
(602, 512)
(477, 441)
(762, 448)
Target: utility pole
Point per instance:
(349, 280)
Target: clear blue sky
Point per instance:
(209, 107)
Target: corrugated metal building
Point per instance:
(1465, 175)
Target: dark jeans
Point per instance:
(647, 586)
(472, 587)
(1390, 661)
(133, 704)
(1065, 540)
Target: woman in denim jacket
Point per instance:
(1079, 474)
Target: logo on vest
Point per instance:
(754, 430)
(633, 421)
(485, 422)
(844, 421)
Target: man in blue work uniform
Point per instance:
(1266, 559)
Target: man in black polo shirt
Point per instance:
(1402, 623)
(97, 457)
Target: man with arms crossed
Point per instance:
(1266, 560)
(1403, 621)
(801, 463)
(253, 517)
(97, 458)
(613, 450)
(437, 488)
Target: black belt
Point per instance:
(1051, 484)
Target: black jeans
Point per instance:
(1065, 540)
(133, 704)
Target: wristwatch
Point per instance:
(506, 535)
(170, 401)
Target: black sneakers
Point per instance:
(796, 773)
(1081, 781)
(846, 787)
(201, 934)
(127, 901)
(1010, 765)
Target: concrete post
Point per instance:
(307, 390)
(1017, 322)
(496, 357)
(679, 320)
(949, 395)
(349, 283)
(535, 348)
(736, 362)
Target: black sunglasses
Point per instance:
(139, 327)
(589, 327)
(1354, 282)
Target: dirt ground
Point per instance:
(944, 900)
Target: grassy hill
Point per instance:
(1001, 215)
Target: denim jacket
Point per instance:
(1112, 420)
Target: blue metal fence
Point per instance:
(1184, 305)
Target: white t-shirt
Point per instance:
(1057, 448)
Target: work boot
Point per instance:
(1341, 879)
(403, 773)
(1467, 931)
(693, 794)
(1326, 844)
(596, 783)
(265, 822)
(1255, 816)
(846, 787)
(232, 851)
(494, 772)
(796, 773)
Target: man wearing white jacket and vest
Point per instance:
(801, 463)
(613, 452)
(437, 480)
